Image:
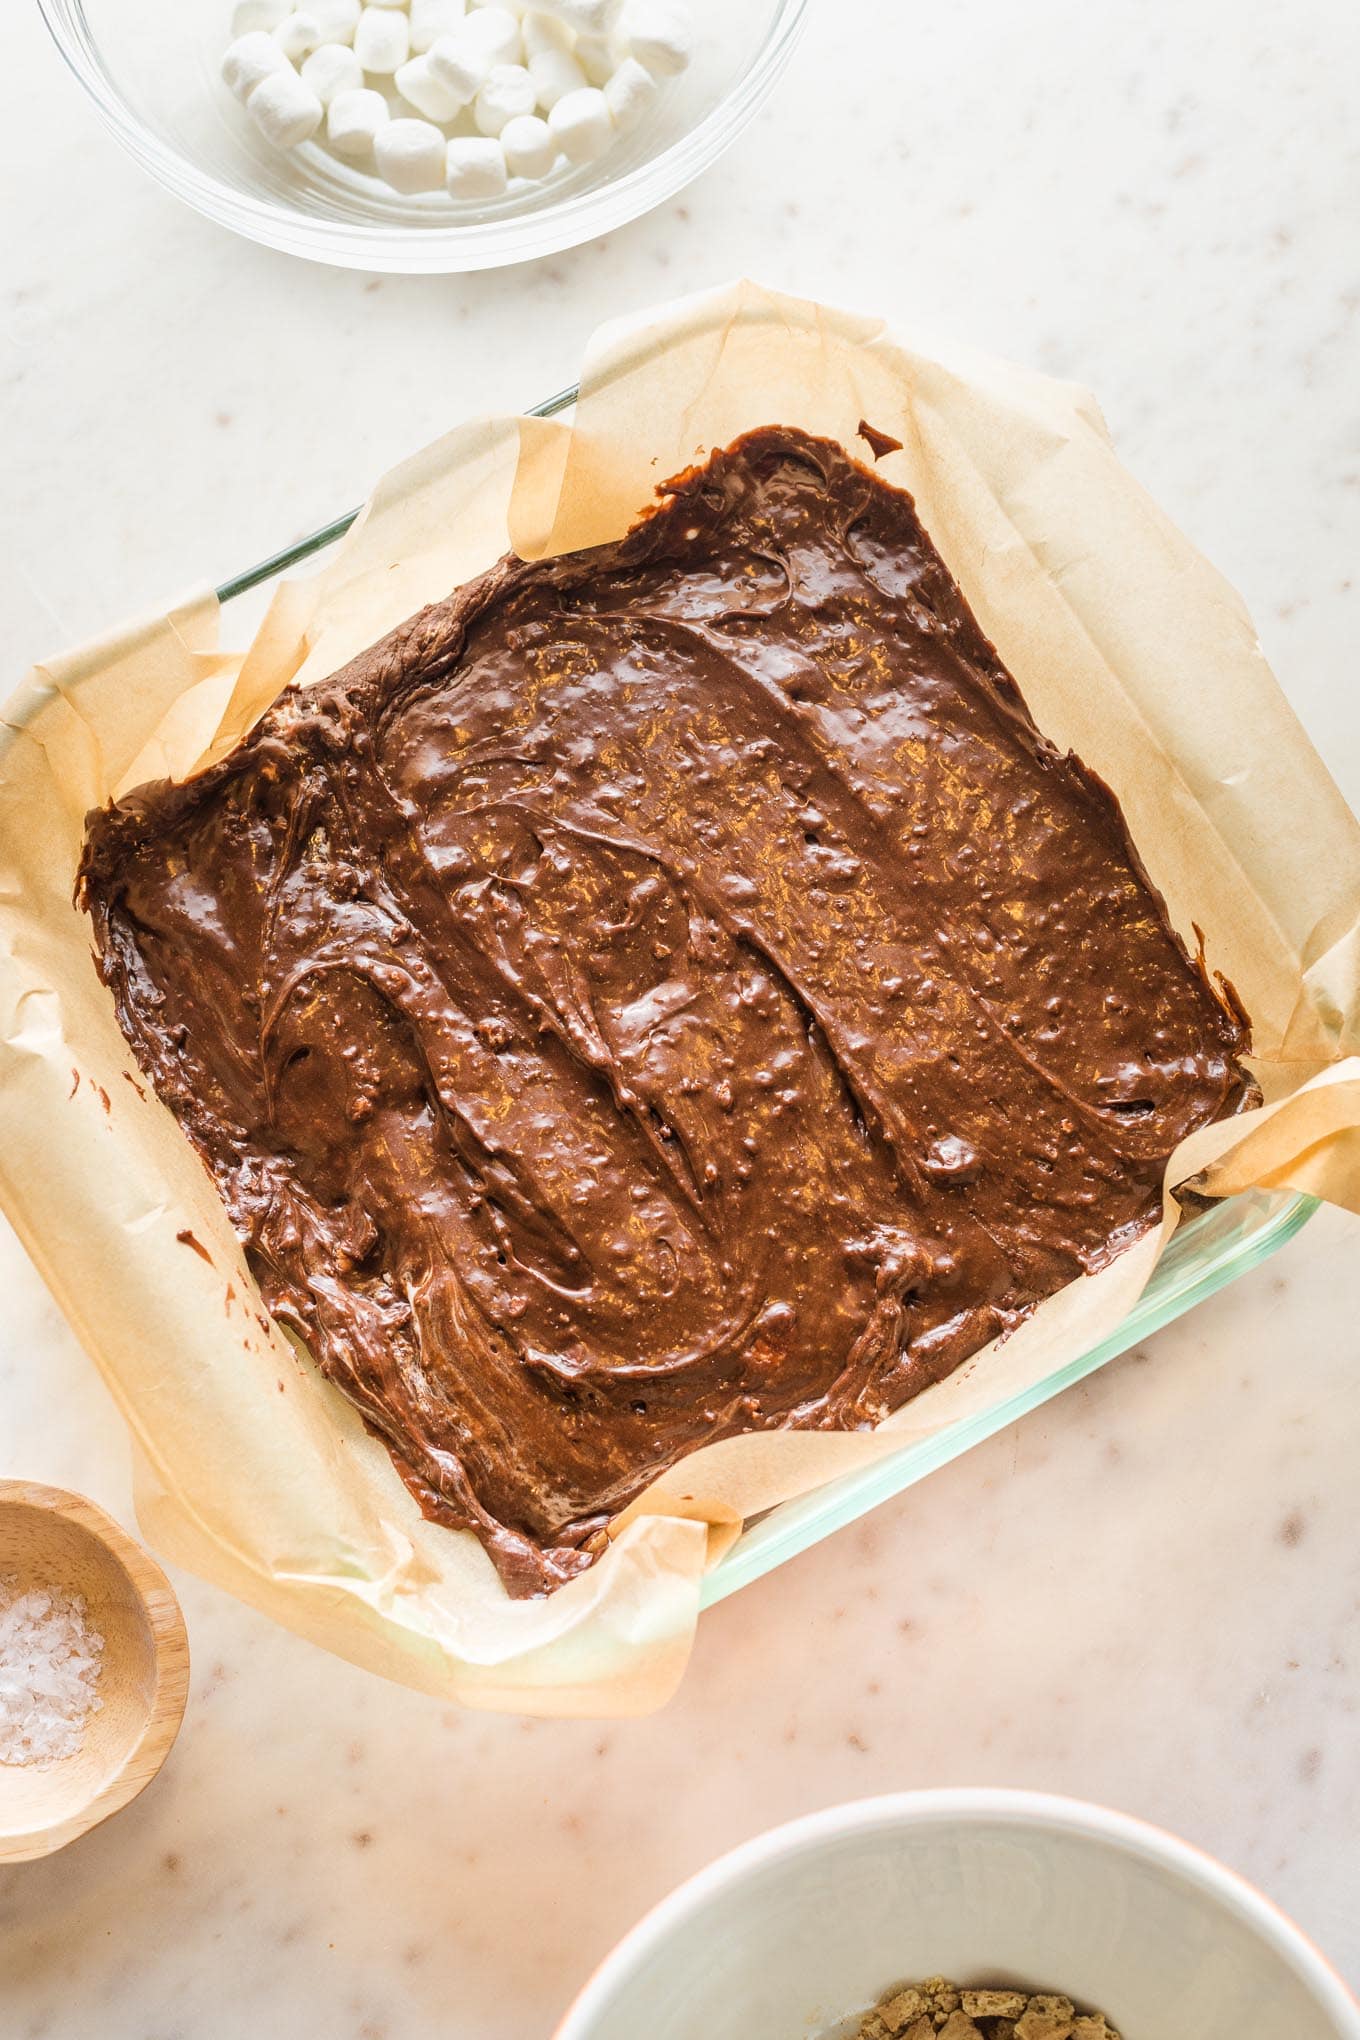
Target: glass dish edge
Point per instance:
(1191, 1270)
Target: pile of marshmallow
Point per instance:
(453, 95)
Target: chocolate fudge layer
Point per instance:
(660, 992)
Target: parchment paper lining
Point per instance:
(1129, 648)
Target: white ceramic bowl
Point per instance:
(799, 1931)
(152, 69)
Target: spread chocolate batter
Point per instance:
(660, 992)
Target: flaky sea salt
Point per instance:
(50, 1661)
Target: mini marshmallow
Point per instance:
(629, 93)
(582, 125)
(429, 95)
(332, 69)
(507, 93)
(410, 155)
(354, 121)
(431, 19)
(587, 17)
(474, 167)
(530, 150)
(658, 34)
(542, 31)
(460, 66)
(494, 31)
(338, 19)
(388, 3)
(555, 73)
(249, 15)
(249, 60)
(298, 33)
(284, 109)
(382, 40)
(595, 54)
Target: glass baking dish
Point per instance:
(1207, 1252)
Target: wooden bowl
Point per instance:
(54, 1539)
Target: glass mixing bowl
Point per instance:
(152, 70)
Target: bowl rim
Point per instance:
(970, 1805)
(443, 250)
(170, 1656)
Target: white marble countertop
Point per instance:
(1147, 1594)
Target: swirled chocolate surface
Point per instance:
(660, 992)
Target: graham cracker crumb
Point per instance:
(940, 2010)
(898, 2012)
(994, 2004)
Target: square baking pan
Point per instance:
(1207, 1252)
